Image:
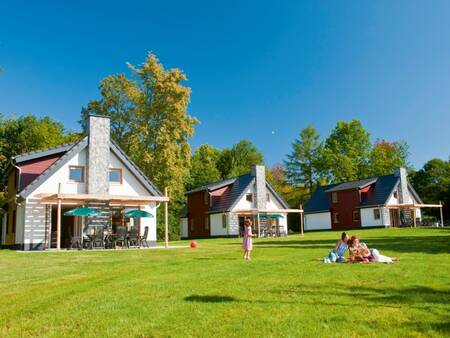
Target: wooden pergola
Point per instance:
(415, 206)
(253, 212)
(113, 200)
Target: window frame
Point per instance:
(83, 173)
(121, 176)
(355, 212)
(334, 197)
(375, 212)
(335, 217)
(224, 221)
(247, 197)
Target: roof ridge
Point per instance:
(33, 152)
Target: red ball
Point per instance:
(194, 244)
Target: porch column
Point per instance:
(166, 219)
(414, 217)
(301, 220)
(58, 222)
(442, 214)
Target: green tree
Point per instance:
(225, 163)
(204, 166)
(149, 120)
(244, 155)
(432, 183)
(305, 163)
(346, 151)
(386, 156)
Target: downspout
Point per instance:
(16, 198)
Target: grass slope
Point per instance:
(211, 291)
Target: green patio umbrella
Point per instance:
(82, 211)
(272, 216)
(138, 214)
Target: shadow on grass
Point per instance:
(401, 244)
(210, 299)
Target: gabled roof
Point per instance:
(238, 186)
(358, 184)
(73, 149)
(213, 186)
(42, 153)
(383, 188)
(71, 152)
(318, 202)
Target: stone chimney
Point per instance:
(403, 192)
(98, 155)
(259, 173)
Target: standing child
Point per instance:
(338, 253)
(247, 244)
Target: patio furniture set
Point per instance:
(99, 238)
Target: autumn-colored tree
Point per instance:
(386, 156)
(346, 151)
(149, 120)
(204, 167)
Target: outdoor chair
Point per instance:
(98, 242)
(143, 238)
(75, 242)
(121, 237)
(133, 238)
(87, 239)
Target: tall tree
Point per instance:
(204, 166)
(149, 120)
(244, 155)
(432, 183)
(347, 150)
(386, 156)
(304, 164)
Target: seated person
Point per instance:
(338, 253)
(359, 252)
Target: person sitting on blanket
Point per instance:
(359, 252)
(338, 253)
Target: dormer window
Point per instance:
(115, 175)
(76, 173)
(249, 197)
(395, 194)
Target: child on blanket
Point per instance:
(338, 253)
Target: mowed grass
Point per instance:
(211, 291)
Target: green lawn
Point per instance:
(211, 291)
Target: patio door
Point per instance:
(395, 217)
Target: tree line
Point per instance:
(150, 120)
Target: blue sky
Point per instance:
(254, 67)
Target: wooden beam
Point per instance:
(166, 219)
(96, 197)
(442, 214)
(58, 222)
(258, 225)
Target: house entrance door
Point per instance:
(395, 217)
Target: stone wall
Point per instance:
(98, 155)
(259, 172)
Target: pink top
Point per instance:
(247, 243)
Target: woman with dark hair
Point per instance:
(338, 253)
(359, 252)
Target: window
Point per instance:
(376, 213)
(249, 197)
(76, 174)
(206, 222)
(224, 221)
(206, 198)
(395, 194)
(335, 217)
(115, 175)
(268, 197)
(334, 197)
(355, 215)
